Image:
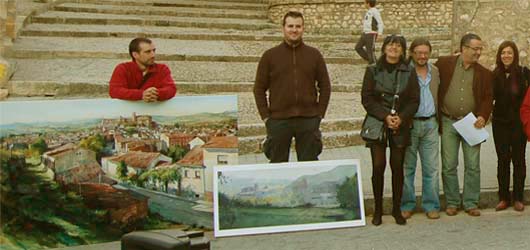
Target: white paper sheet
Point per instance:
(466, 129)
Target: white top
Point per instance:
(367, 21)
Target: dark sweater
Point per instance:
(289, 74)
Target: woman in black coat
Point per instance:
(509, 88)
(390, 93)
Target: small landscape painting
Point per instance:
(268, 198)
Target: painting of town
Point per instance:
(267, 198)
(76, 172)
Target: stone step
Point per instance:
(64, 77)
(230, 4)
(253, 144)
(176, 50)
(162, 11)
(68, 89)
(187, 33)
(327, 125)
(60, 17)
(167, 49)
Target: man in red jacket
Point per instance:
(142, 78)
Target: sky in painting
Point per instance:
(71, 110)
(284, 173)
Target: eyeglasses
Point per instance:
(421, 53)
(474, 48)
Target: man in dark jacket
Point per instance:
(465, 86)
(294, 106)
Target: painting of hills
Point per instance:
(271, 197)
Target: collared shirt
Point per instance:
(459, 99)
(367, 21)
(128, 82)
(427, 107)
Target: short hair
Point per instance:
(417, 42)
(293, 14)
(134, 45)
(394, 39)
(371, 3)
(466, 39)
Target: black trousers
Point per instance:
(366, 41)
(397, 155)
(305, 130)
(510, 144)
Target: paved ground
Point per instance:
(493, 230)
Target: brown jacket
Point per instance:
(482, 87)
(290, 74)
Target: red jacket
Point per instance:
(525, 106)
(128, 83)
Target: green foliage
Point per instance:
(122, 170)
(347, 193)
(164, 175)
(177, 152)
(95, 143)
(35, 211)
(131, 130)
(40, 146)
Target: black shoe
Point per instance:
(400, 220)
(377, 220)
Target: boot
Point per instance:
(397, 192)
(377, 186)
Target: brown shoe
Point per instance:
(518, 206)
(406, 214)
(451, 211)
(433, 215)
(473, 212)
(501, 206)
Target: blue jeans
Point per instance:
(451, 141)
(425, 141)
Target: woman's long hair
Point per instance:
(514, 69)
(393, 39)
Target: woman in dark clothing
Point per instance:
(509, 88)
(390, 93)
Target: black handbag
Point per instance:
(373, 129)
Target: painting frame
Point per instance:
(219, 231)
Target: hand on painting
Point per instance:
(480, 122)
(150, 95)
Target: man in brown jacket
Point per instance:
(295, 105)
(465, 86)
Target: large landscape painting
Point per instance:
(265, 198)
(77, 172)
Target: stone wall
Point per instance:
(7, 24)
(494, 21)
(345, 16)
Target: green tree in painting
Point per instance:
(40, 146)
(95, 143)
(36, 213)
(122, 171)
(177, 152)
(169, 175)
(347, 193)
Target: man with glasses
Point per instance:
(465, 86)
(423, 136)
